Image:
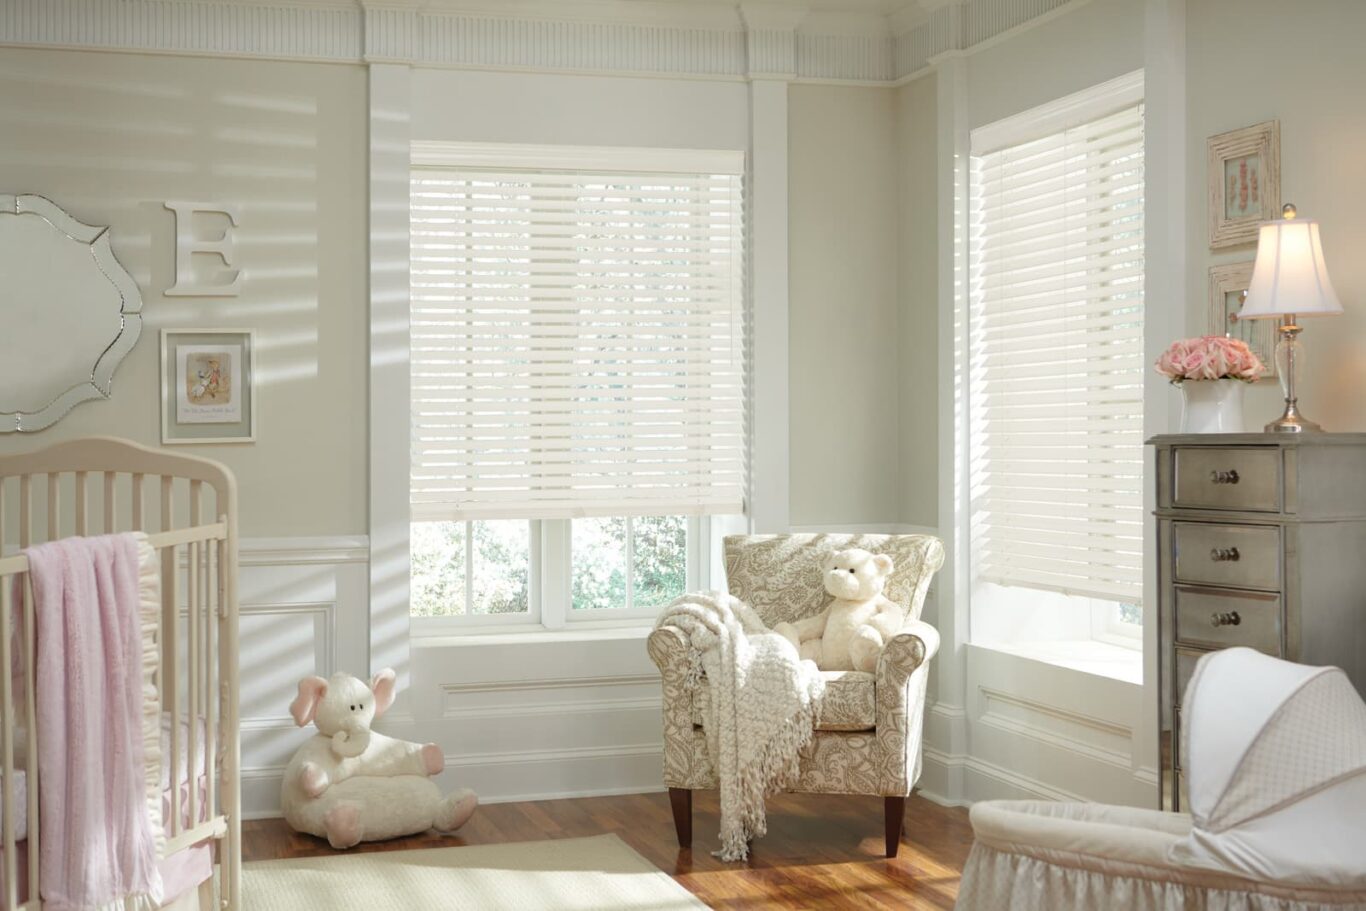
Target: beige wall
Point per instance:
(1310, 80)
(843, 355)
(109, 137)
(560, 109)
(918, 301)
(1088, 45)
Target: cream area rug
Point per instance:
(597, 873)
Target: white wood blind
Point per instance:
(1056, 350)
(577, 340)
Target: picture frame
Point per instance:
(208, 386)
(1228, 286)
(1244, 183)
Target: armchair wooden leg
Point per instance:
(894, 809)
(681, 800)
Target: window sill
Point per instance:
(528, 634)
(1089, 656)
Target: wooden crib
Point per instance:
(101, 486)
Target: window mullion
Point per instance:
(556, 572)
(469, 568)
(630, 563)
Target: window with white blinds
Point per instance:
(577, 343)
(1056, 351)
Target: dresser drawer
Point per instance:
(1211, 477)
(1240, 556)
(1218, 618)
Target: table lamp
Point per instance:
(1289, 280)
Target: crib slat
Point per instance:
(137, 502)
(54, 530)
(3, 515)
(166, 505)
(25, 510)
(82, 507)
(192, 657)
(110, 521)
(211, 615)
(9, 814)
(231, 867)
(31, 710)
(170, 673)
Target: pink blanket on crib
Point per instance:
(99, 844)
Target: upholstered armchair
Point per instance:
(868, 738)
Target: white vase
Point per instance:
(1212, 406)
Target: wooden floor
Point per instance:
(820, 852)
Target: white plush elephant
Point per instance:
(350, 784)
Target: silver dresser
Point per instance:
(1261, 541)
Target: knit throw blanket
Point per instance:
(764, 704)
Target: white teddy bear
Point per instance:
(850, 633)
(349, 784)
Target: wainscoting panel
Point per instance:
(1038, 730)
(540, 715)
(518, 716)
(304, 610)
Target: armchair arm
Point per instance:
(669, 650)
(913, 645)
(902, 674)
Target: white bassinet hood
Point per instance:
(1276, 763)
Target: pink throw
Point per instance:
(99, 847)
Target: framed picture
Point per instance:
(1244, 183)
(1227, 287)
(208, 386)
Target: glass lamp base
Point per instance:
(1289, 363)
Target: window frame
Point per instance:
(550, 587)
(550, 579)
(1104, 623)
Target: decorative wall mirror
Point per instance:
(68, 313)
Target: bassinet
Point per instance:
(102, 486)
(1278, 799)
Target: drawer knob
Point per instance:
(1224, 554)
(1222, 618)
(1224, 477)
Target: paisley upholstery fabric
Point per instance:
(848, 704)
(779, 576)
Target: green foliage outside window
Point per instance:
(501, 560)
(659, 564)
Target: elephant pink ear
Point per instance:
(385, 686)
(305, 705)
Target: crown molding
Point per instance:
(863, 42)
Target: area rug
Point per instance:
(591, 873)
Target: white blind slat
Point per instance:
(1056, 338)
(577, 343)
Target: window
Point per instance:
(630, 562)
(577, 376)
(1056, 357)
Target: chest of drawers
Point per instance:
(1261, 542)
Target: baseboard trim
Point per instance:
(982, 780)
(528, 757)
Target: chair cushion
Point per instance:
(849, 703)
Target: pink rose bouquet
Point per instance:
(1210, 357)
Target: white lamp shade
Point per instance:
(1290, 275)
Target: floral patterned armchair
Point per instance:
(868, 739)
